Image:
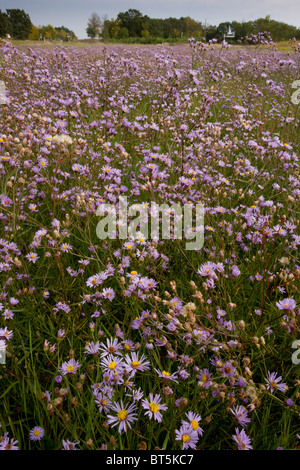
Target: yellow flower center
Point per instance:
(154, 407)
(195, 424)
(186, 438)
(122, 415)
(135, 363)
(70, 368)
(204, 378)
(37, 432)
(166, 374)
(112, 365)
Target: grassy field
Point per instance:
(138, 343)
(280, 45)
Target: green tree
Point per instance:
(123, 33)
(20, 22)
(65, 34)
(154, 26)
(132, 20)
(111, 29)
(35, 33)
(94, 26)
(5, 25)
(48, 32)
(191, 28)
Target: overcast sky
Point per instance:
(74, 14)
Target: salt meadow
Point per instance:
(139, 343)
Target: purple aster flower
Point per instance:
(187, 435)
(228, 370)
(167, 375)
(108, 293)
(68, 445)
(241, 415)
(243, 441)
(8, 444)
(103, 402)
(92, 348)
(37, 433)
(235, 271)
(153, 407)
(136, 395)
(32, 257)
(273, 383)
(289, 402)
(125, 416)
(69, 367)
(193, 420)
(112, 365)
(134, 363)
(286, 304)
(204, 377)
(112, 347)
(5, 333)
(206, 270)
(66, 247)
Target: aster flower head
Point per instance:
(228, 370)
(193, 420)
(68, 445)
(273, 383)
(153, 407)
(206, 270)
(108, 293)
(136, 394)
(187, 435)
(241, 415)
(286, 304)
(36, 433)
(69, 367)
(125, 415)
(243, 441)
(5, 334)
(166, 376)
(113, 346)
(65, 247)
(32, 257)
(7, 443)
(112, 365)
(204, 377)
(103, 402)
(92, 348)
(134, 363)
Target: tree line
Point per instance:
(17, 24)
(133, 24)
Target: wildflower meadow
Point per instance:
(136, 342)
